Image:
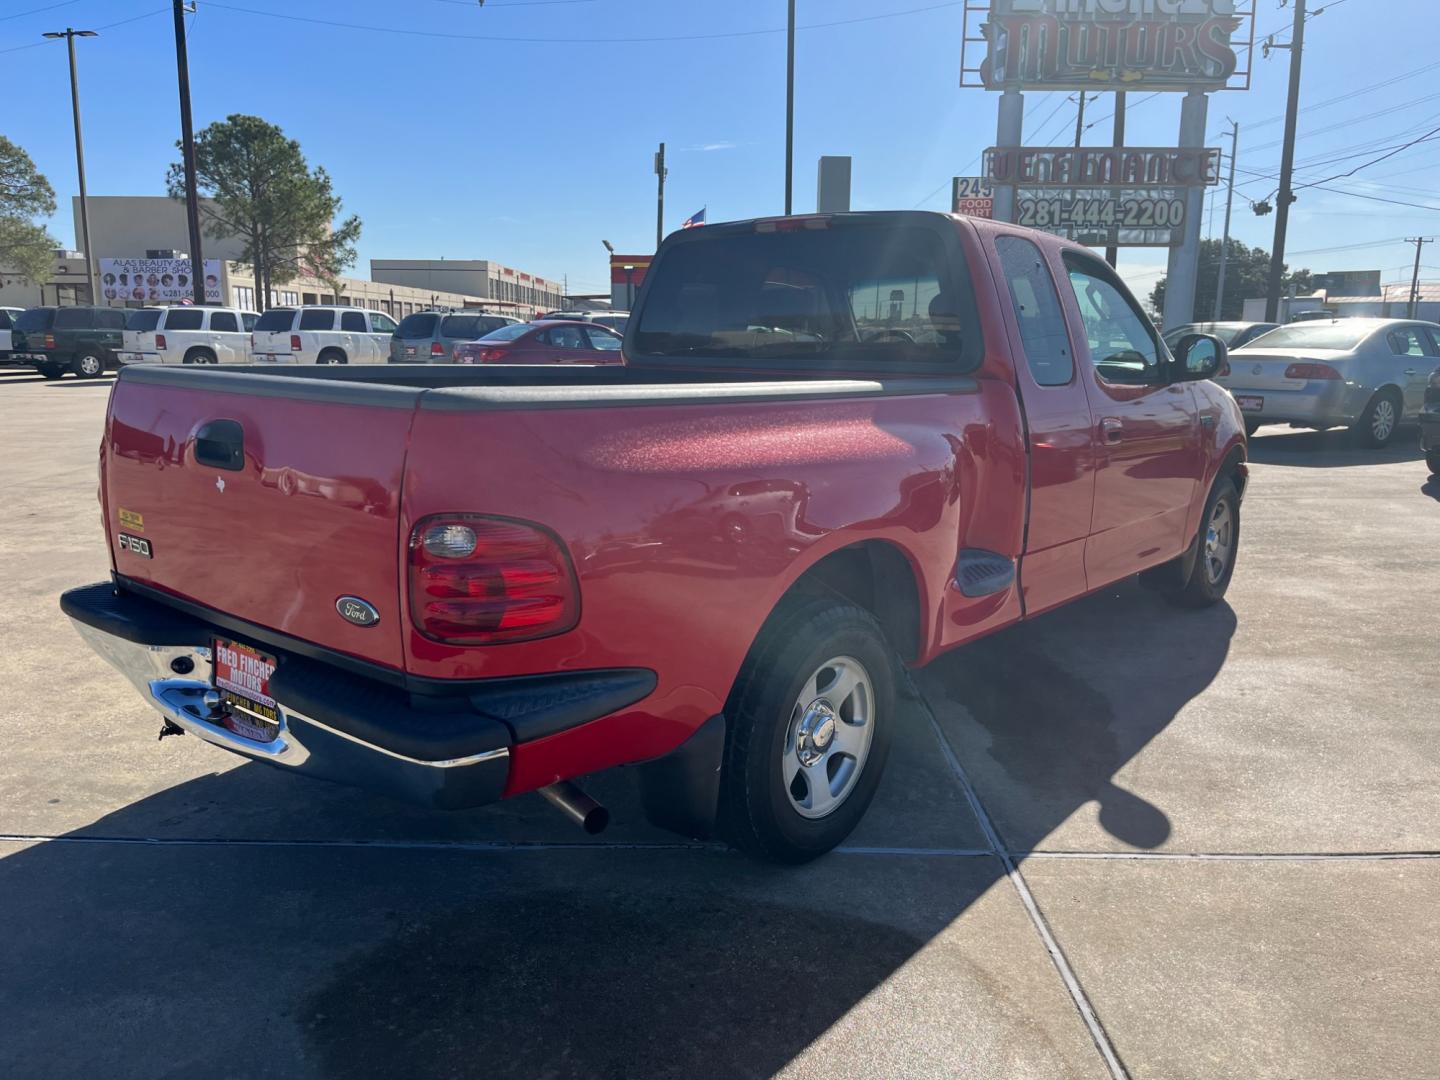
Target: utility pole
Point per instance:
(790, 111)
(1225, 239)
(660, 172)
(1419, 242)
(187, 151)
(70, 35)
(1287, 165)
(1080, 119)
(1112, 249)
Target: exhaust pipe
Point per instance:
(577, 806)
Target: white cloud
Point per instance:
(706, 148)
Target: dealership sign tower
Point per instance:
(1113, 196)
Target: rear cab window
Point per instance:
(1037, 311)
(819, 294)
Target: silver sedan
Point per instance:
(1365, 374)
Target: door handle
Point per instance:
(1113, 429)
(1409, 371)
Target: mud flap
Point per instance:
(680, 792)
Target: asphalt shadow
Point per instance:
(1331, 449)
(630, 961)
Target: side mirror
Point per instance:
(1197, 357)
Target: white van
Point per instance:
(187, 335)
(322, 335)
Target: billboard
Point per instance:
(1132, 217)
(1123, 166)
(1176, 45)
(156, 281)
(972, 196)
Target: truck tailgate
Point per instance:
(305, 514)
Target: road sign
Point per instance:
(971, 196)
(1110, 166)
(1131, 217)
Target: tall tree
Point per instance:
(259, 189)
(1246, 276)
(25, 247)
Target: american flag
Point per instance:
(694, 220)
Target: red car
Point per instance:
(546, 342)
(838, 445)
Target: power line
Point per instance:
(1375, 161)
(105, 26)
(588, 40)
(38, 10)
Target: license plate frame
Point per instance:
(1252, 403)
(410, 350)
(241, 674)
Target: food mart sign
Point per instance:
(1111, 44)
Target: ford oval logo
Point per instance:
(354, 610)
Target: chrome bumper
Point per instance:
(303, 743)
(1320, 403)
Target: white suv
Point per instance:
(322, 335)
(187, 335)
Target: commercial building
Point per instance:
(627, 274)
(1391, 302)
(130, 226)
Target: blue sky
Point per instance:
(532, 150)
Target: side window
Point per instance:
(382, 323)
(603, 340)
(184, 318)
(317, 319)
(72, 318)
(4, 319)
(1434, 341)
(111, 319)
(247, 320)
(1122, 346)
(1037, 310)
(567, 337)
(1406, 341)
(224, 322)
(353, 322)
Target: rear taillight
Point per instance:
(160, 342)
(491, 356)
(1307, 370)
(477, 580)
(49, 341)
(294, 342)
(436, 349)
(792, 224)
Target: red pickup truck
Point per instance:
(838, 444)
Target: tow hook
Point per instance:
(169, 728)
(577, 806)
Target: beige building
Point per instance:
(128, 226)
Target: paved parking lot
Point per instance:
(1120, 840)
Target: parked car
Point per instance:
(85, 340)
(1430, 423)
(544, 343)
(8, 315)
(615, 320)
(319, 334)
(1236, 335)
(1365, 374)
(711, 560)
(188, 335)
(430, 337)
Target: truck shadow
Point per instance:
(618, 960)
(1330, 449)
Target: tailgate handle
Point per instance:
(221, 443)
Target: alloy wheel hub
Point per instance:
(815, 732)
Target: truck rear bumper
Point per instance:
(449, 752)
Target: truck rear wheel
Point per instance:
(809, 730)
(51, 371)
(1218, 544)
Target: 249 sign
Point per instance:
(1110, 212)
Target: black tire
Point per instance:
(756, 810)
(51, 370)
(1251, 426)
(88, 365)
(1372, 429)
(331, 356)
(1432, 461)
(201, 356)
(1204, 587)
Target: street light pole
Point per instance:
(70, 34)
(660, 172)
(790, 111)
(1225, 239)
(187, 150)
